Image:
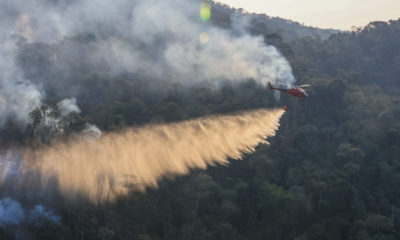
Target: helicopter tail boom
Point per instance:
(278, 89)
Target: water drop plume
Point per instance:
(100, 169)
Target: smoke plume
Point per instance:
(46, 46)
(104, 168)
(67, 106)
(11, 212)
(18, 96)
(39, 214)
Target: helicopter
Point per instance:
(296, 91)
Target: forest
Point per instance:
(331, 172)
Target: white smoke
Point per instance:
(18, 96)
(91, 131)
(164, 40)
(39, 214)
(11, 212)
(160, 39)
(55, 122)
(67, 106)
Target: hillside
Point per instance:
(263, 24)
(369, 55)
(331, 171)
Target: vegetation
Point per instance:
(260, 23)
(332, 171)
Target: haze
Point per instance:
(340, 14)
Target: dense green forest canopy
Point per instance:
(332, 171)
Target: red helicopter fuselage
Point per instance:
(296, 91)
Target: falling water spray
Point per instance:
(100, 169)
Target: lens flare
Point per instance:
(205, 11)
(204, 38)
